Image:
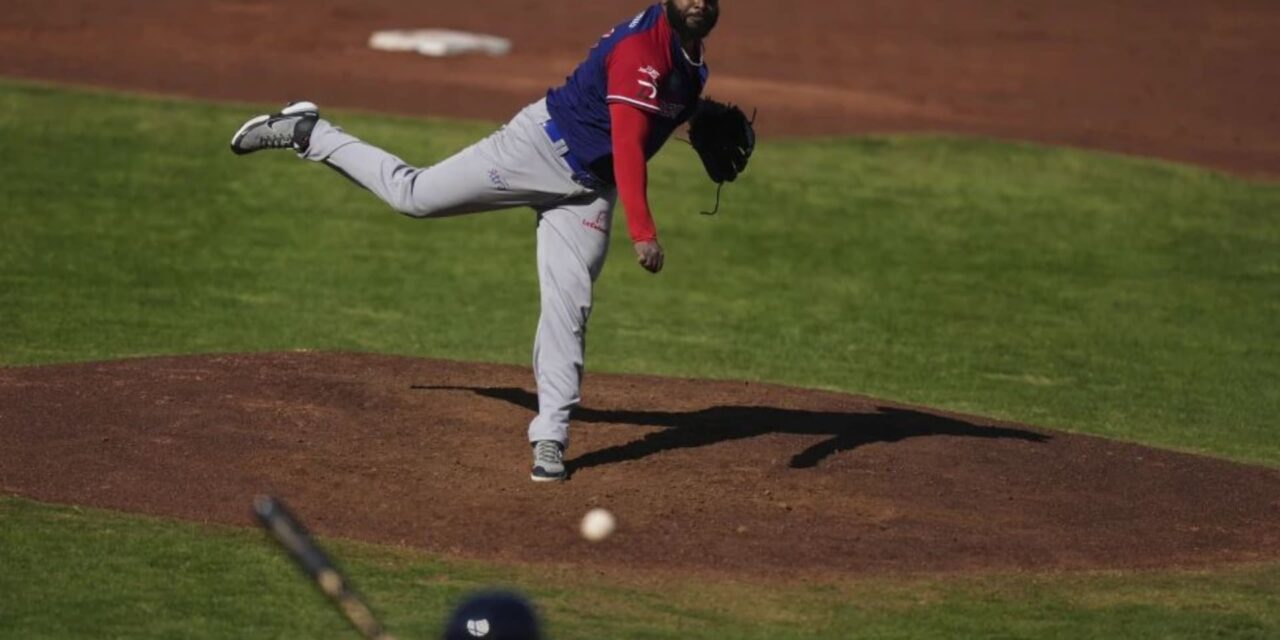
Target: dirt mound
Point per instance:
(723, 476)
(1192, 81)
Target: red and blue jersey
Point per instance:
(640, 63)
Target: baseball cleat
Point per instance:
(548, 461)
(288, 129)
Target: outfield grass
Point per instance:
(1114, 296)
(1126, 298)
(81, 573)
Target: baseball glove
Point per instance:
(723, 137)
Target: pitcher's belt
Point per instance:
(581, 174)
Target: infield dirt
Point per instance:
(733, 477)
(1190, 80)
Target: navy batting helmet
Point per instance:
(493, 615)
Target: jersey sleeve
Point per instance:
(634, 71)
(630, 129)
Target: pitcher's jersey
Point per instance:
(640, 63)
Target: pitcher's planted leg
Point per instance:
(573, 240)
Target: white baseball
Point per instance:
(598, 524)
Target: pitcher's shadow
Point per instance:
(687, 429)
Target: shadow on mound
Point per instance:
(690, 429)
(443, 466)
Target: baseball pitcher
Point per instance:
(570, 157)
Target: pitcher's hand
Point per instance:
(649, 255)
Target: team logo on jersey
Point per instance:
(649, 86)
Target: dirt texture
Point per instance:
(1189, 80)
(736, 477)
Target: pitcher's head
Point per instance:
(693, 19)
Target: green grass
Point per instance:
(1102, 294)
(121, 576)
(1121, 297)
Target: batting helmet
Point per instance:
(493, 615)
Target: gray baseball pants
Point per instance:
(516, 166)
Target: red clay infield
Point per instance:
(736, 477)
(717, 476)
(1190, 80)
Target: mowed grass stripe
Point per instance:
(84, 573)
(1121, 297)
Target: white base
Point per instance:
(439, 43)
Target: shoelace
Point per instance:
(547, 451)
(278, 138)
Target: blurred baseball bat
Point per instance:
(286, 530)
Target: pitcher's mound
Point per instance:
(731, 476)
